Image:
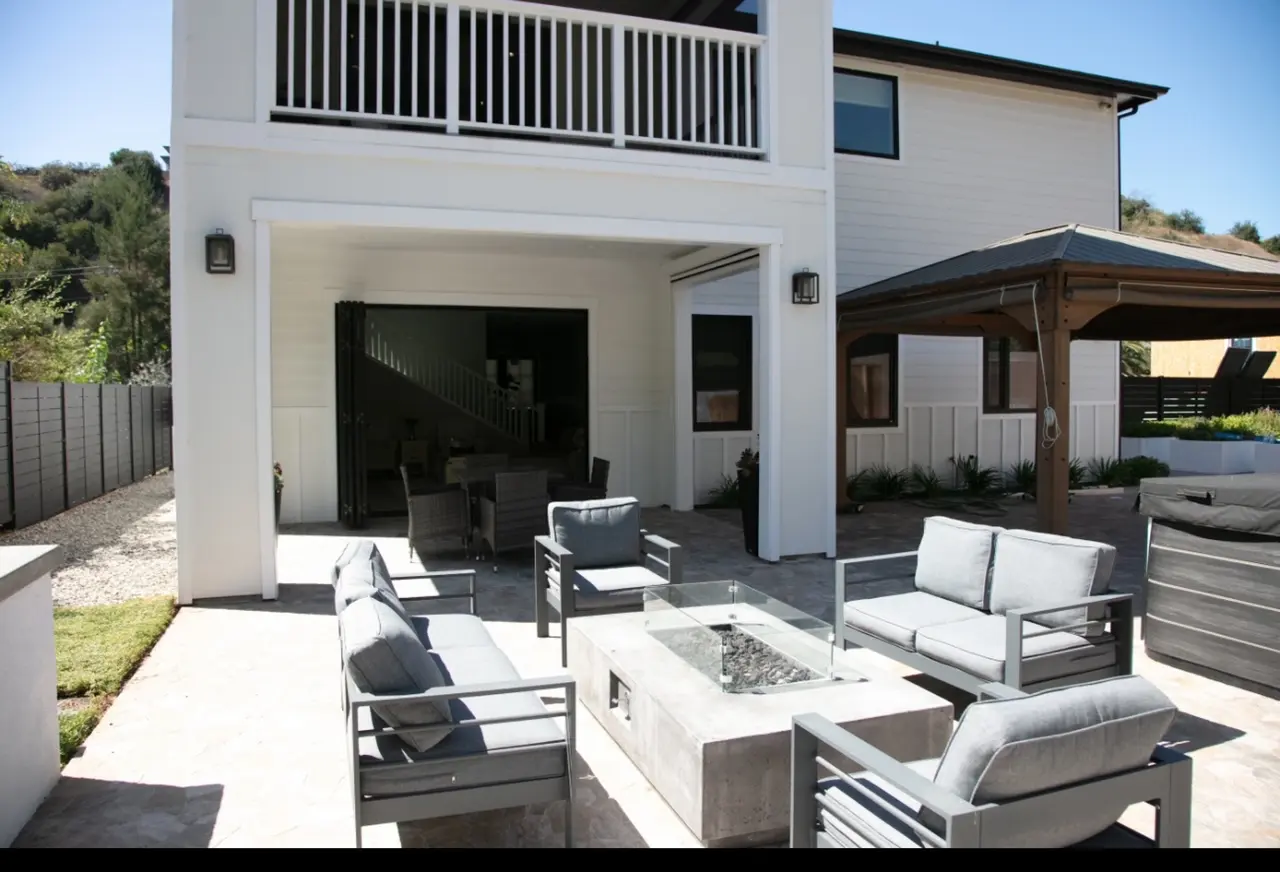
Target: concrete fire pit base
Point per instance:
(722, 760)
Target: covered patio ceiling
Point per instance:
(1069, 282)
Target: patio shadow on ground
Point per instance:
(88, 813)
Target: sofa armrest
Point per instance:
(810, 731)
(842, 585)
(996, 690)
(1120, 617)
(670, 557)
(409, 593)
(551, 548)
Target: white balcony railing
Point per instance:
(498, 67)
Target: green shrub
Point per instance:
(1023, 476)
(884, 482)
(726, 494)
(1135, 469)
(925, 481)
(1149, 429)
(1076, 474)
(1106, 471)
(974, 478)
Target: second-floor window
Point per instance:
(1246, 344)
(866, 114)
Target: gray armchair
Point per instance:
(597, 560)
(516, 512)
(436, 516)
(1054, 769)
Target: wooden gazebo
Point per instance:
(1051, 286)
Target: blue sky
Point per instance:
(93, 76)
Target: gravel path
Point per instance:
(117, 547)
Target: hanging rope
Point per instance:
(1052, 432)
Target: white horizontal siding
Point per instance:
(631, 338)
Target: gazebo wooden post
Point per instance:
(1053, 461)
(843, 341)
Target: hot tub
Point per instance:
(1213, 576)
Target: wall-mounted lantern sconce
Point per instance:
(804, 288)
(219, 253)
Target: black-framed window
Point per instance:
(722, 372)
(871, 385)
(1009, 373)
(1246, 344)
(866, 114)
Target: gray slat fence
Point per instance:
(62, 445)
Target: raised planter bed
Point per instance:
(1155, 446)
(1266, 457)
(1218, 457)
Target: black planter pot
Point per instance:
(749, 494)
(278, 492)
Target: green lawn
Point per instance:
(98, 648)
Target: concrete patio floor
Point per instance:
(230, 733)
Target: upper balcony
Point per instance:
(516, 69)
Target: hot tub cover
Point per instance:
(1240, 503)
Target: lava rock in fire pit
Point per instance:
(747, 662)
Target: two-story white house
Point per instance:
(596, 225)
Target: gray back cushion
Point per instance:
(365, 575)
(1005, 749)
(383, 654)
(357, 549)
(598, 532)
(954, 560)
(1039, 569)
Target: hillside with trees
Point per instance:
(84, 270)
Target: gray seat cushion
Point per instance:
(383, 655)
(451, 631)
(598, 532)
(1038, 569)
(977, 646)
(954, 560)
(608, 587)
(365, 575)
(1005, 749)
(459, 760)
(896, 618)
(861, 822)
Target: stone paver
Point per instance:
(230, 734)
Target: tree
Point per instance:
(33, 339)
(56, 176)
(1246, 230)
(1186, 221)
(131, 295)
(1135, 358)
(1272, 244)
(1134, 210)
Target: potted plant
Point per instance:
(749, 498)
(278, 474)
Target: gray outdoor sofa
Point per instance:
(1054, 769)
(1028, 610)
(439, 722)
(600, 545)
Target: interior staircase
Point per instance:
(461, 387)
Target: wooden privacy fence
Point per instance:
(1159, 398)
(65, 444)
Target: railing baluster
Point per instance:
(537, 69)
(343, 82)
(720, 89)
(382, 24)
(599, 78)
(680, 103)
(397, 68)
(749, 96)
(666, 88)
(431, 60)
(361, 79)
(586, 65)
(475, 13)
(651, 128)
(488, 66)
(555, 75)
(635, 82)
(452, 67)
(733, 97)
(413, 62)
(506, 68)
(328, 41)
(706, 91)
(293, 36)
(523, 57)
(568, 76)
(618, 84)
(310, 34)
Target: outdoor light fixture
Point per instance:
(804, 288)
(219, 253)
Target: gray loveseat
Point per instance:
(1028, 610)
(439, 722)
(1054, 769)
(600, 545)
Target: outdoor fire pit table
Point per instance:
(699, 690)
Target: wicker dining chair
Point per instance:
(436, 516)
(596, 489)
(516, 513)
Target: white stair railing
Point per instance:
(460, 387)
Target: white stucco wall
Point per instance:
(225, 167)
